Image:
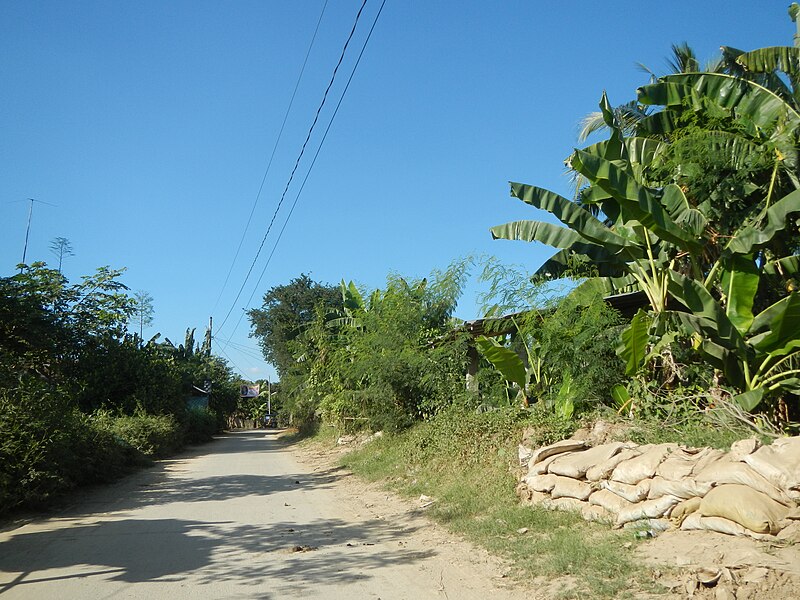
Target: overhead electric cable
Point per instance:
(313, 161)
(271, 158)
(297, 162)
(241, 348)
(241, 372)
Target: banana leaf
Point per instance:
(746, 99)
(676, 203)
(505, 360)
(638, 202)
(778, 325)
(660, 123)
(633, 342)
(751, 238)
(767, 61)
(750, 399)
(537, 231)
(572, 215)
(785, 267)
(599, 261)
(726, 359)
(740, 277)
(615, 146)
(716, 325)
(774, 58)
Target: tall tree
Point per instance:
(61, 247)
(286, 312)
(143, 311)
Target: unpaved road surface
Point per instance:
(242, 517)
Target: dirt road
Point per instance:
(240, 518)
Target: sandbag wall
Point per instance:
(751, 490)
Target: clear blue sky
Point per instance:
(149, 126)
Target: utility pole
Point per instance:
(269, 397)
(208, 335)
(28, 227)
(27, 230)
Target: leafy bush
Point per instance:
(152, 435)
(199, 425)
(31, 440)
(47, 447)
(459, 437)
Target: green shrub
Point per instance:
(152, 435)
(48, 446)
(199, 426)
(97, 454)
(32, 441)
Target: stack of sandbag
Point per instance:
(752, 490)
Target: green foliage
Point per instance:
(143, 311)
(47, 446)
(67, 365)
(700, 183)
(199, 426)
(384, 359)
(286, 312)
(561, 350)
(153, 435)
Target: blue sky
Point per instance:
(149, 126)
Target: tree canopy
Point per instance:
(286, 311)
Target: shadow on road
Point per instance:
(322, 552)
(98, 537)
(163, 483)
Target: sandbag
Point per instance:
(603, 470)
(655, 525)
(649, 509)
(744, 505)
(631, 493)
(683, 509)
(565, 504)
(536, 498)
(609, 501)
(712, 456)
(742, 448)
(726, 471)
(790, 533)
(684, 488)
(779, 463)
(576, 464)
(598, 514)
(523, 491)
(557, 448)
(540, 483)
(696, 522)
(632, 471)
(680, 463)
(540, 468)
(565, 487)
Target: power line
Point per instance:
(314, 160)
(272, 156)
(241, 348)
(235, 366)
(297, 162)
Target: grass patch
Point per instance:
(697, 432)
(466, 462)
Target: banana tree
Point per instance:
(758, 354)
(532, 378)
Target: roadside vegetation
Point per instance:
(686, 206)
(82, 400)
